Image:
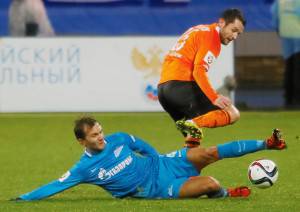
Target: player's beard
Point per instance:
(226, 41)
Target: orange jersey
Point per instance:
(191, 57)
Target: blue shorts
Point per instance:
(174, 171)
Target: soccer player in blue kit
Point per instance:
(126, 166)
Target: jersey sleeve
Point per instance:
(204, 58)
(201, 78)
(68, 180)
(138, 145)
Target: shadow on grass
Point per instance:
(110, 199)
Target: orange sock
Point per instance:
(216, 118)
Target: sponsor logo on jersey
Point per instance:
(105, 175)
(209, 59)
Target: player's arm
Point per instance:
(203, 60)
(139, 145)
(68, 180)
(201, 78)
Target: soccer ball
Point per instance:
(263, 173)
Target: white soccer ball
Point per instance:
(263, 173)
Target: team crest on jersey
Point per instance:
(118, 151)
(209, 59)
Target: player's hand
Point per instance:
(222, 102)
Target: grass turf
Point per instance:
(37, 148)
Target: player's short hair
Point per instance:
(231, 14)
(80, 125)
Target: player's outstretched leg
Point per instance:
(205, 185)
(216, 118)
(239, 148)
(202, 157)
(276, 141)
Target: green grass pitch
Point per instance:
(37, 148)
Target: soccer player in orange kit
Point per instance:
(185, 91)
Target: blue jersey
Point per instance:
(121, 168)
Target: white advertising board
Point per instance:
(88, 74)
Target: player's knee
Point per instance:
(213, 184)
(207, 155)
(201, 157)
(234, 118)
(234, 114)
(212, 154)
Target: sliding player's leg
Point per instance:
(206, 185)
(201, 157)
